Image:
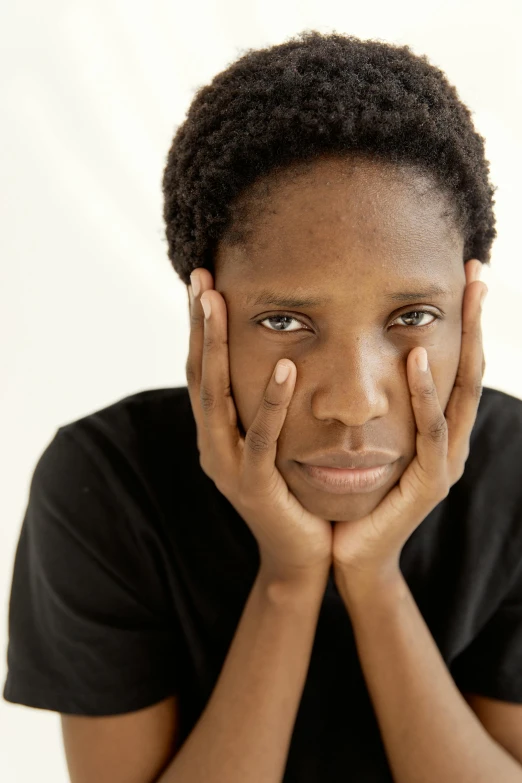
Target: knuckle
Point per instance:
(208, 466)
(207, 399)
(190, 372)
(438, 429)
(226, 386)
(209, 342)
(270, 406)
(195, 318)
(477, 390)
(428, 393)
(257, 440)
(458, 473)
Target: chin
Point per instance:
(338, 508)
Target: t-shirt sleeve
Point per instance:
(89, 630)
(491, 665)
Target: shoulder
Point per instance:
(493, 464)
(499, 415)
(138, 436)
(483, 510)
(152, 411)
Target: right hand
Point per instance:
(293, 544)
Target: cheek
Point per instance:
(250, 372)
(444, 364)
(249, 377)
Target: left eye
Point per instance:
(416, 314)
(413, 315)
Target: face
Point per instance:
(366, 242)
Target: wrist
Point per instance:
(369, 588)
(306, 585)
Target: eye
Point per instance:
(415, 315)
(279, 318)
(282, 319)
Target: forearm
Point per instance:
(245, 730)
(429, 731)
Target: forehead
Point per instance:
(341, 215)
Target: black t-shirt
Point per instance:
(132, 571)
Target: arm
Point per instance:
(131, 747)
(429, 731)
(245, 730)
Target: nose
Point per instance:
(349, 382)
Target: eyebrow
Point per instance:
(269, 297)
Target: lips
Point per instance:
(341, 481)
(351, 459)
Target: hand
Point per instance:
(294, 545)
(368, 550)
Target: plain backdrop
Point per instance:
(91, 310)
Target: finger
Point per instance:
(462, 407)
(260, 446)
(473, 270)
(195, 354)
(432, 429)
(215, 394)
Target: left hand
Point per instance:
(367, 550)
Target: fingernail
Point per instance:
(478, 271)
(205, 303)
(194, 279)
(483, 296)
(422, 360)
(282, 372)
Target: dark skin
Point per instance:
(350, 231)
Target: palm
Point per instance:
(369, 539)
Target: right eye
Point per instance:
(283, 317)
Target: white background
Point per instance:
(91, 310)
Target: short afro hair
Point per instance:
(313, 95)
